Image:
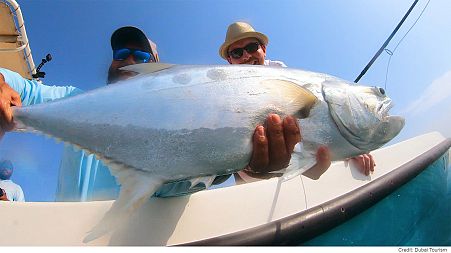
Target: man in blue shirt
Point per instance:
(9, 191)
(82, 177)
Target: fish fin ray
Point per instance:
(207, 181)
(147, 68)
(299, 163)
(136, 188)
(299, 96)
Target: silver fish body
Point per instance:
(186, 122)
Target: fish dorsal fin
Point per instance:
(147, 68)
(294, 93)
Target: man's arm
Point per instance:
(34, 92)
(20, 197)
(17, 91)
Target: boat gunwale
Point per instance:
(307, 224)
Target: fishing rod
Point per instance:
(385, 43)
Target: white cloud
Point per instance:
(438, 91)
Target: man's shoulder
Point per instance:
(8, 183)
(275, 63)
(15, 185)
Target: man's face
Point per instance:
(5, 173)
(255, 58)
(114, 72)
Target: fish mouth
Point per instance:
(384, 109)
(389, 125)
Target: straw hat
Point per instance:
(238, 31)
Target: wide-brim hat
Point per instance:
(124, 35)
(238, 31)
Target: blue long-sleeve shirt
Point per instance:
(81, 177)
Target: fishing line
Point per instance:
(391, 52)
(385, 43)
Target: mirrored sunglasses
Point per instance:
(140, 56)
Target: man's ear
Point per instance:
(228, 59)
(263, 48)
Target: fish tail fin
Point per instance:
(136, 188)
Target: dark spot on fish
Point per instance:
(216, 74)
(182, 78)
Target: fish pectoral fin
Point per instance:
(290, 174)
(207, 181)
(295, 94)
(136, 188)
(299, 164)
(147, 68)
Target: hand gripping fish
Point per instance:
(176, 122)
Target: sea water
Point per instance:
(417, 214)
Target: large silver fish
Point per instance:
(176, 122)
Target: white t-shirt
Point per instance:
(13, 191)
(275, 63)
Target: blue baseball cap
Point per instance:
(6, 164)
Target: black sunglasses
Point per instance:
(250, 48)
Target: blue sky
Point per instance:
(334, 37)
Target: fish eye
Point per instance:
(381, 90)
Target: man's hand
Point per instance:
(322, 164)
(3, 197)
(273, 145)
(272, 148)
(365, 163)
(8, 98)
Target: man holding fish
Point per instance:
(244, 45)
(272, 144)
(130, 46)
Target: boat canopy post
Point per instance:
(15, 52)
